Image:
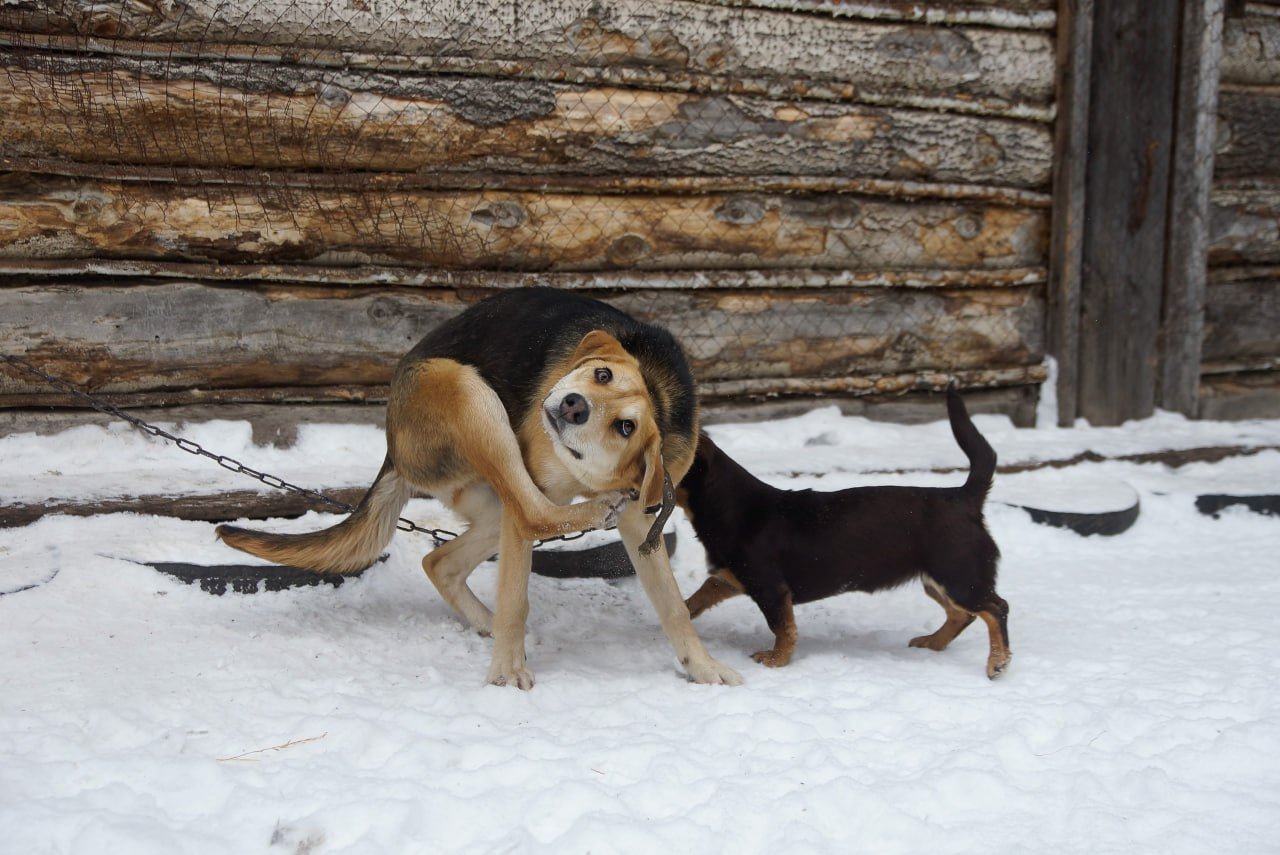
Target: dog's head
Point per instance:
(601, 421)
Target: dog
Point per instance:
(784, 547)
(506, 413)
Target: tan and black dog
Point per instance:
(784, 547)
(506, 413)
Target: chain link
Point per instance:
(439, 535)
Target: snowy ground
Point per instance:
(1141, 712)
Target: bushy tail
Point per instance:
(351, 545)
(982, 457)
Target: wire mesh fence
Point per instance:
(268, 200)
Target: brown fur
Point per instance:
(506, 414)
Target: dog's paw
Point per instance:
(772, 658)
(610, 506)
(711, 672)
(519, 676)
(998, 665)
(928, 642)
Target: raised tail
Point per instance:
(982, 457)
(351, 545)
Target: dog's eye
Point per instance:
(625, 426)
(603, 375)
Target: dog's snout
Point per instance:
(574, 408)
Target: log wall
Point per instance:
(210, 203)
(1241, 352)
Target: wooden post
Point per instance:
(1075, 49)
(1131, 204)
(1187, 268)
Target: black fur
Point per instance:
(515, 336)
(796, 546)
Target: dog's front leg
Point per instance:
(654, 570)
(515, 558)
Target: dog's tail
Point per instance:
(982, 457)
(351, 545)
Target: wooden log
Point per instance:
(21, 271)
(175, 336)
(1242, 323)
(1247, 395)
(246, 114)
(1251, 50)
(1245, 226)
(61, 218)
(1248, 127)
(670, 39)
(1013, 14)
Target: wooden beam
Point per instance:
(1066, 245)
(1188, 235)
(1132, 102)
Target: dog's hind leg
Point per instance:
(720, 586)
(995, 614)
(778, 612)
(957, 618)
(449, 565)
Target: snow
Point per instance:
(1141, 711)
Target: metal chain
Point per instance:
(439, 535)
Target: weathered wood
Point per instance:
(174, 336)
(1248, 127)
(220, 114)
(1014, 14)
(24, 271)
(1127, 191)
(63, 218)
(1191, 176)
(1245, 225)
(544, 38)
(1251, 50)
(1066, 245)
(1249, 395)
(1242, 323)
(216, 507)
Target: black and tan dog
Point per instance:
(506, 413)
(784, 547)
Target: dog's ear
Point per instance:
(655, 474)
(594, 345)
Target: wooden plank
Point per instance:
(246, 114)
(1245, 224)
(1066, 245)
(668, 39)
(1251, 50)
(1130, 138)
(303, 340)
(1187, 241)
(59, 218)
(1248, 127)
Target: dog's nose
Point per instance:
(574, 409)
